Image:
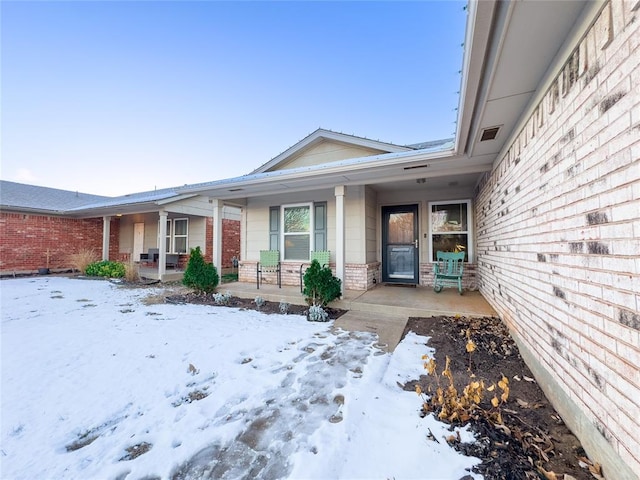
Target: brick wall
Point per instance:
(230, 241)
(469, 276)
(361, 276)
(558, 242)
(25, 239)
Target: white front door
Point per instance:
(138, 241)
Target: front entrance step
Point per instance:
(389, 328)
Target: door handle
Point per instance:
(415, 243)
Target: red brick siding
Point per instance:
(208, 256)
(230, 242)
(25, 239)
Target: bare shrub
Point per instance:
(131, 272)
(81, 259)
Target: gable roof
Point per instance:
(321, 135)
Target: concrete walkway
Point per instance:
(383, 310)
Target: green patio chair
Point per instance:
(447, 271)
(269, 263)
(322, 256)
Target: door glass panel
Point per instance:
(400, 261)
(401, 228)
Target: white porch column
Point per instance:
(216, 252)
(340, 191)
(106, 232)
(162, 244)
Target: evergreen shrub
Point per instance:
(200, 275)
(320, 285)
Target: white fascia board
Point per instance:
(176, 199)
(477, 36)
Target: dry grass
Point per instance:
(81, 259)
(131, 271)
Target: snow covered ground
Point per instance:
(97, 384)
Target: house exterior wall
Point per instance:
(371, 225)
(197, 206)
(355, 225)
(256, 220)
(326, 152)
(558, 223)
(359, 273)
(422, 197)
(25, 239)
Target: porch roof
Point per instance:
(436, 161)
(131, 203)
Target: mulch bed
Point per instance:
(248, 304)
(533, 442)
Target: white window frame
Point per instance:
(167, 240)
(174, 235)
(468, 232)
(170, 238)
(284, 234)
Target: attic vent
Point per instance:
(489, 134)
(417, 166)
(235, 189)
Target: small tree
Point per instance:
(199, 275)
(320, 286)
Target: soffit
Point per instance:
(526, 37)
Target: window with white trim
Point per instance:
(297, 240)
(167, 241)
(180, 235)
(177, 238)
(297, 229)
(450, 228)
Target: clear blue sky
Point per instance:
(119, 97)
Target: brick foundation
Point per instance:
(469, 277)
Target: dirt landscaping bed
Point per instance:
(248, 304)
(532, 442)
